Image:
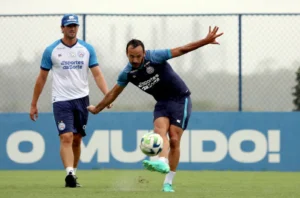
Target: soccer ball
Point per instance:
(151, 144)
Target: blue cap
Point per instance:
(69, 19)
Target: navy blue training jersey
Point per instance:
(155, 76)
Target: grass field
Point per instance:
(136, 184)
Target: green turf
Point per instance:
(144, 184)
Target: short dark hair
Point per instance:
(135, 43)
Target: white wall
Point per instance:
(154, 6)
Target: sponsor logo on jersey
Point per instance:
(72, 64)
(73, 67)
(149, 83)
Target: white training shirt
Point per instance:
(69, 67)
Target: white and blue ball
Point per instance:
(151, 144)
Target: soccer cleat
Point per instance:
(77, 184)
(147, 165)
(158, 166)
(71, 181)
(168, 188)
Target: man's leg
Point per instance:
(174, 156)
(180, 114)
(161, 126)
(80, 121)
(67, 156)
(66, 151)
(76, 149)
(64, 118)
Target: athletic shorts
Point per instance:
(178, 110)
(72, 115)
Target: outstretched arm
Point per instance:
(209, 39)
(108, 99)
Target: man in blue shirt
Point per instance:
(150, 71)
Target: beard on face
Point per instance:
(136, 65)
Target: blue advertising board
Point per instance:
(257, 141)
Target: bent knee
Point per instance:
(66, 138)
(174, 142)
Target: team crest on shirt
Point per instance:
(61, 126)
(150, 70)
(80, 54)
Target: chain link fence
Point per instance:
(262, 47)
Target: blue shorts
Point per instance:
(72, 115)
(178, 110)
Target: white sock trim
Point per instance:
(70, 169)
(169, 177)
(163, 159)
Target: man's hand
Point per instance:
(93, 109)
(212, 35)
(33, 113)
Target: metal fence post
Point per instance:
(240, 64)
(83, 27)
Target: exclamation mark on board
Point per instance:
(274, 146)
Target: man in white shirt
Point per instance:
(69, 59)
